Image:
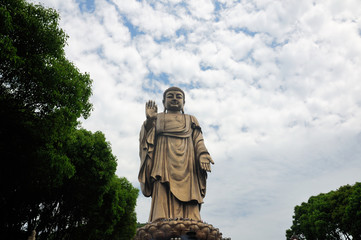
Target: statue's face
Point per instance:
(174, 100)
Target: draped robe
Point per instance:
(170, 170)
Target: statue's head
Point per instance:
(173, 99)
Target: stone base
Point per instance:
(178, 229)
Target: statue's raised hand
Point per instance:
(205, 162)
(151, 110)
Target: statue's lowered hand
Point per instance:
(205, 160)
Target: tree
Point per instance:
(46, 182)
(352, 214)
(334, 215)
(94, 203)
(41, 96)
(119, 205)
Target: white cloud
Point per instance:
(202, 9)
(154, 21)
(181, 65)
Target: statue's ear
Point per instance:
(165, 108)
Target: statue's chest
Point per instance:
(172, 123)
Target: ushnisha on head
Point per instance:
(173, 100)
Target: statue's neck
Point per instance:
(173, 112)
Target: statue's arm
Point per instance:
(146, 148)
(146, 152)
(202, 154)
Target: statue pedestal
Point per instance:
(178, 229)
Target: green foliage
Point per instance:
(54, 178)
(334, 215)
(119, 206)
(94, 203)
(352, 218)
(139, 225)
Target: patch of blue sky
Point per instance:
(244, 129)
(100, 52)
(150, 3)
(205, 67)
(248, 32)
(162, 77)
(150, 88)
(256, 85)
(86, 5)
(134, 30)
(194, 84)
(150, 84)
(172, 8)
(162, 39)
(182, 32)
(218, 7)
(248, 58)
(245, 31)
(275, 44)
(181, 4)
(214, 126)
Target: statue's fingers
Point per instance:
(149, 104)
(210, 159)
(204, 167)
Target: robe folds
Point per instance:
(170, 170)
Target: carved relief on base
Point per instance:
(169, 229)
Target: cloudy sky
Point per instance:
(275, 86)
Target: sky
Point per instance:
(274, 84)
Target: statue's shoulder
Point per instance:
(160, 115)
(193, 119)
(190, 116)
